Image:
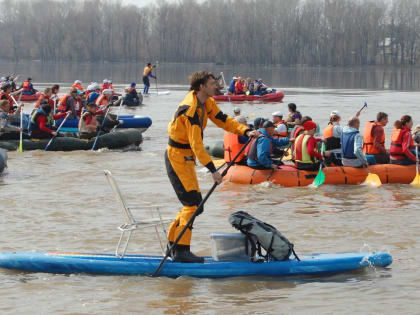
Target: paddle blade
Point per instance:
(373, 180)
(319, 179)
(20, 146)
(219, 162)
(416, 181)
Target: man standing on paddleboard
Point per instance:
(185, 145)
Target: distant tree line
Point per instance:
(262, 32)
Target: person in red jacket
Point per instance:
(6, 89)
(402, 143)
(239, 88)
(41, 121)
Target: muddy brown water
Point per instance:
(60, 201)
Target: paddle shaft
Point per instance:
(58, 129)
(417, 160)
(100, 129)
(157, 90)
(197, 211)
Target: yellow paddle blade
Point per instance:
(218, 162)
(416, 181)
(20, 146)
(373, 180)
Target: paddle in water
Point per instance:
(320, 177)
(100, 129)
(197, 211)
(372, 179)
(21, 132)
(59, 127)
(416, 181)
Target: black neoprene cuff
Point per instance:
(210, 166)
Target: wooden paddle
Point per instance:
(320, 177)
(372, 179)
(416, 181)
(197, 211)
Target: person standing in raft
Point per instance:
(184, 146)
(261, 148)
(147, 72)
(306, 153)
(374, 140)
(402, 143)
(352, 144)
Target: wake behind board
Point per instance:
(68, 263)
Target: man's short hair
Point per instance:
(352, 121)
(199, 78)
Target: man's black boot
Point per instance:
(182, 253)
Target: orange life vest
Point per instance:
(105, 86)
(146, 71)
(102, 101)
(25, 86)
(281, 134)
(62, 103)
(78, 86)
(232, 146)
(396, 150)
(44, 97)
(5, 96)
(332, 142)
(368, 147)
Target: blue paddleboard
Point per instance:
(67, 263)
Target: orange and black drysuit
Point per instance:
(185, 145)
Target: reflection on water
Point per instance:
(398, 78)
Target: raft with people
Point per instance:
(70, 142)
(270, 97)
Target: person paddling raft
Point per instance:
(147, 72)
(88, 125)
(184, 146)
(306, 153)
(28, 88)
(352, 144)
(332, 138)
(41, 121)
(402, 143)
(374, 140)
(261, 148)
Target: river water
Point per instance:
(60, 201)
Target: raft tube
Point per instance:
(128, 121)
(289, 176)
(271, 97)
(68, 263)
(29, 98)
(114, 140)
(215, 149)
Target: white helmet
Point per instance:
(279, 114)
(105, 81)
(107, 92)
(77, 82)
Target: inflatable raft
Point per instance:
(29, 98)
(271, 97)
(114, 140)
(128, 121)
(289, 176)
(68, 263)
(3, 160)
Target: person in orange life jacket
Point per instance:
(103, 102)
(88, 124)
(69, 102)
(28, 88)
(78, 85)
(260, 149)
(306, 152)
(41, 126)
(374, 139)
(239, 88)
(147, 72)
(6, 89)
(233, 143)
(351, 145)
(402, 143)
(294, 117)
(105, 85)
(297, 131)
(184, 146)
(332, 138)
(281, 126)
(45, 96)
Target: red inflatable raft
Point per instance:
(271, 97)
(29, 98)
(289, 176)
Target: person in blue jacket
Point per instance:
(262, 147)
(231, 89)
